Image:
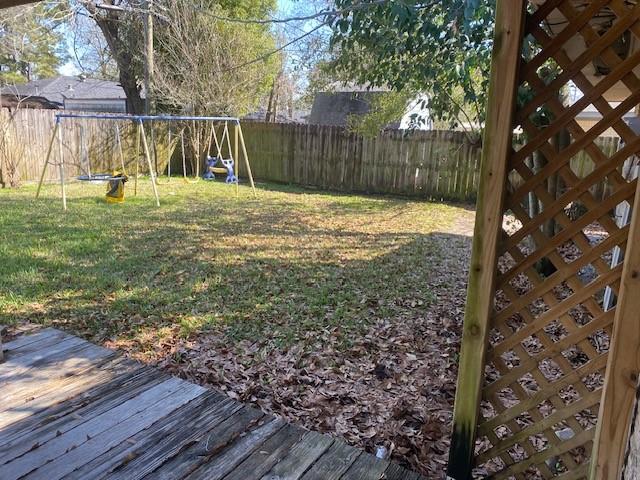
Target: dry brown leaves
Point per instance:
(393, 387)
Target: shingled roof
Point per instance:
(58, 89)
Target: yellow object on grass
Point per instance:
(115, 188)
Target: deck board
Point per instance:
(68, 414)
(70, 409)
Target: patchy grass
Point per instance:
(209, 279)
(276, 267)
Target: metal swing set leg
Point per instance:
(57, 133)
(147, 155)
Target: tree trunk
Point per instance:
(134, 102)
(269, 114)
(122, 53)
(273, 99)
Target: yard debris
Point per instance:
(392, 388)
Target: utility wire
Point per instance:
(326, 22)
(273, 52)
(322, 13)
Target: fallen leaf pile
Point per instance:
(393, 386)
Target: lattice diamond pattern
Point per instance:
(550, 331)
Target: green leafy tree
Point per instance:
(385, 108)
(441, 48)
(31, 45)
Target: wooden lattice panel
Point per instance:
(550, 330)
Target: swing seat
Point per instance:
(100, 177)
(220, 170)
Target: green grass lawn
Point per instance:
(276, 267)
(339, 312)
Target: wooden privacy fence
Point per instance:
(437, 164)
(433, 165)
(88, 144)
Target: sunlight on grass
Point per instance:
(274, 268)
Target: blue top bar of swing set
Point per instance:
(144, 118)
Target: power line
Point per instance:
(322, 13)
(326, 22)
(273, 52)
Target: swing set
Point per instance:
(218, 164)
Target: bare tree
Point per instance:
(12, 149)
(90, 52)
(206, 66)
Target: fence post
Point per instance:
(498, 134)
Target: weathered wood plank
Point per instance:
(39, 383)
(103, 371)
(39, 348)
(366, 467)
(71, 413)
(59, 445)
(396, 472)
(110, 438)
(221, 464)
(72, 384)
(149, 449)
(216, 444)
(267, 455)
(26, 339)
(21, 369)
(334, 463)
(301, 456)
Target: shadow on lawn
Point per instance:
(255, 286)
(270, 272)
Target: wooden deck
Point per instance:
(71, 409)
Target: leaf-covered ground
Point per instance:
(339, 312)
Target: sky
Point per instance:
(284, 8)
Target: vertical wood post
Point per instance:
(147, 155)
(135, 179)
(48, 157)
(510, 16)
(184, 156)
(61, 170)
(623, 366)
(120, 151)
(236, 155)
(246, 160)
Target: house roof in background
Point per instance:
(57, 89)
(334, 108)
(11, 100)
(299, 116)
